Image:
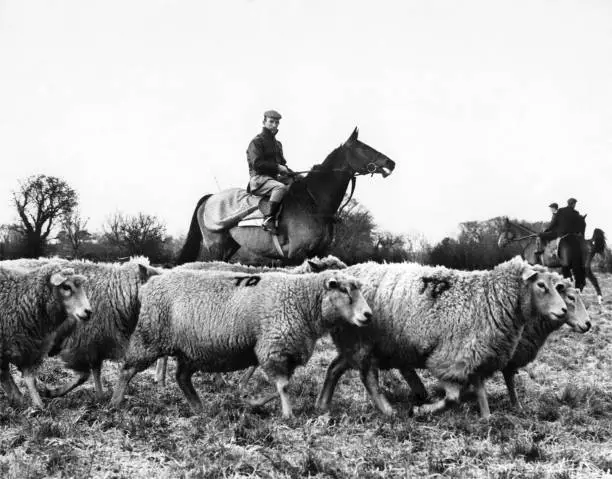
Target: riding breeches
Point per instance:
(266, 186)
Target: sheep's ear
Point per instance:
(146, 272)
(529, 273)
(57, 279)
(314, 266)
(332, 284)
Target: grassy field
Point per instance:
(565, 430)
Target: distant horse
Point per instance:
(305, 225)
(575, 252)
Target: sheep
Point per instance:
(113, 291)
(312, 265)
(223, 321)
(536, 332)
(34, 303)
(462, 326)
(533, 337)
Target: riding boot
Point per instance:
(269, 223)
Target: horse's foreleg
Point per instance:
(230, 251)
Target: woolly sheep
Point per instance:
(536, 332)
(220, 321)
(113, 291)
(462, 326)
(34, 304)
(312, 265)
(533, 337)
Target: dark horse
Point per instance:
(305, 226)
(575, 252)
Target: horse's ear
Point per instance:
(353, 136)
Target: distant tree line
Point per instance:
(50, 222)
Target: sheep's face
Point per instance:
(577, 315)
(545, 290)
(343, 299)
(68, 290)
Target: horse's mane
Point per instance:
(298, 187)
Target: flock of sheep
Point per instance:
(219, 317)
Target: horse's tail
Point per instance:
(191, 249)
(599, 241)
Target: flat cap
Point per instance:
(572, 201)
(553, 205)
(272, 114)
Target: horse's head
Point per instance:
(506, 234)
(364, 159)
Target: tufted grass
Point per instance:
(564, 430)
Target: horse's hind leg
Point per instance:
(595, 283)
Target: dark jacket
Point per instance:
(567, 220)
(264, 154)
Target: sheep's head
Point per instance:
(544, 293)
(68, 290)
(343, 299)
(577, 315)
(317, 264)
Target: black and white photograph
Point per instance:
(305, 239)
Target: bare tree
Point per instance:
(74, 231)
(41, 201)
(142, 234)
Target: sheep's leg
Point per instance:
(281, 387)
(281, 390)
(261, 400)
(15, 396)
(183, 378)
(334, 372)
(453, 392)
(481, 397)
(66, 388)
(160, 371)
(29, 377)
(126, 376)
(97, 379)
(369, 378)
(246, 377)
(415, 383)
(509, 379)
(137, 358)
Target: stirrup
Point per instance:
(268, 225)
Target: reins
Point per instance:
(371, 169)
(532, 234)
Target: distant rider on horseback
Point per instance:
(564, 221)
(268, 168)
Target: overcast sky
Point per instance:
(487, 107)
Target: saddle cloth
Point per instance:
(232, 207)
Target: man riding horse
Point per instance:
(268, 168)
(564, 221)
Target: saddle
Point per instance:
(234, 207)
